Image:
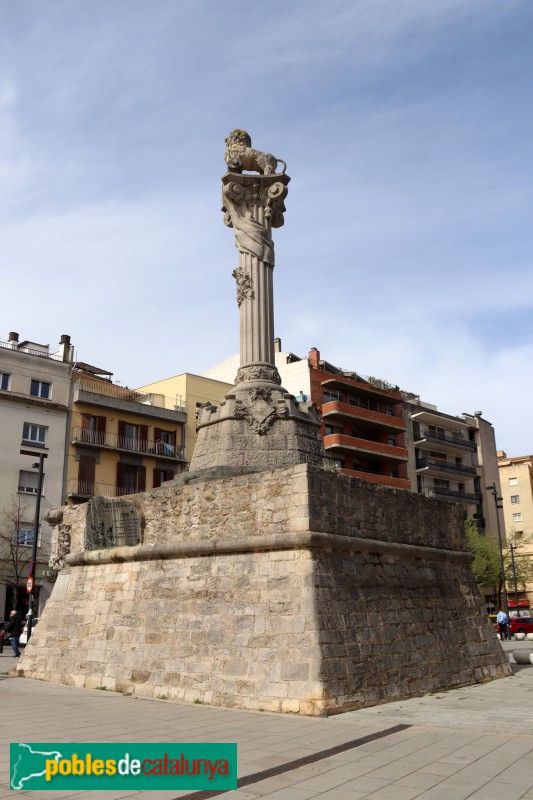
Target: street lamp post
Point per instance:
(512, 548)
(42, 456)
(492, 489)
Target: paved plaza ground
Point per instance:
(475, 742)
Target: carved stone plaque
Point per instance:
(111, 523)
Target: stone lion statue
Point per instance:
(241, 155)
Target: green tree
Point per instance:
(486, 566)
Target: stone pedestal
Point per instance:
(259, 425)
(297, 590)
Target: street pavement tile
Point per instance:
(498, 791)
(340, 794)
(287, 793)
(394, 792)
(366, 783)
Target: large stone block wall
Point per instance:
(296, 590)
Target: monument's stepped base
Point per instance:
(295, 590)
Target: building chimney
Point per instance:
(66, 350)
(314, 357)
(277, 345)
(13, 339)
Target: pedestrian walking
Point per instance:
(503, 625)
(14, 627)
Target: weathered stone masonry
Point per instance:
(295, 590)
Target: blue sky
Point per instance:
(407, 130)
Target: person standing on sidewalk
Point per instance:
(14, 627)
(503, 625)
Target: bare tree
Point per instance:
(15, 545)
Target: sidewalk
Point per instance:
(474, 743)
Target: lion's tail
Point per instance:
(281, 161)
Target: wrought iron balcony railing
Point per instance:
(76, 488)
(447, 466)
(133, 444)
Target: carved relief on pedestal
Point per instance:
(261, 413)
(61, 538)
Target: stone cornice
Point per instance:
(297, 540)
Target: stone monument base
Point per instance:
(258, 425)
(297, 590)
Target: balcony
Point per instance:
(440, 467)
(119, 398)
(112, 441)
(378, 477)
(351, 443)
(87, 489)
(455, 495)
(377, 414)
(447, 441)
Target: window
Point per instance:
(436, 432)
(391, 440)
(40, 389)
(93, 429)
(34, 434)
(518, 534)
(440, 457)
(25, 535)
(28, 482)
(441, 484)
(162, 475)
(130, 479)
(165, 442)
(4, 381)
(513, 481)
(332, 395)
(515, 498)
(132, 437)
(331, 429)
(517, 517)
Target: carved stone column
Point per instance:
(259, 425)
(253, 205)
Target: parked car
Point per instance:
(24, 635)
(521, 625)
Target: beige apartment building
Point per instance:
(121, 441)
(34, 408)
(516, 480)
(194, 390)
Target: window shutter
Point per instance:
(143, 438)
(120, 475)
(100, 424)
(157, 478)
(86, 468)
(86, 422)
(121, 433)
(141, 479)
(157, 434)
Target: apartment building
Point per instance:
(34, 407)
(516, 480)
(194, 391)
(362, 424)
(453, 458)
(121, 441)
